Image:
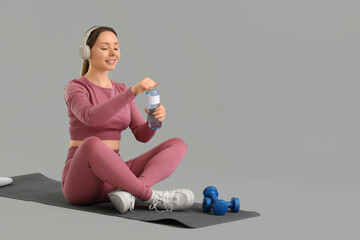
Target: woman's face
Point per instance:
(105, 53)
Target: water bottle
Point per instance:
(153, 101)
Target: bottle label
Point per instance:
(153, 100)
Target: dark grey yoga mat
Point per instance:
(39, 188)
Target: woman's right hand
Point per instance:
(144, 85)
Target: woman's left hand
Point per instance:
(159, 112)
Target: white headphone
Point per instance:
(84, 50)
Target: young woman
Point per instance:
(99, 109)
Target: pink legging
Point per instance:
(92, 170)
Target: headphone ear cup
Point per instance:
(84, 52)
(81, 51)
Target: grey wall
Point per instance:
(265, 94)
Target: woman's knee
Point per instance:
(178, 143)
(91, 140)
(91, 143)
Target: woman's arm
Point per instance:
(77, 99)
(138, 126)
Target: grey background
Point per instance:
(265, 94)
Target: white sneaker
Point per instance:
(5, 181)
(178, 199)
(122, 200)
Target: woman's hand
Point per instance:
(144, 85)
(159, 112)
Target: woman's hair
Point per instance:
(91, 41)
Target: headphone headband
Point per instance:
(87, 34)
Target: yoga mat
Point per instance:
(39, 188)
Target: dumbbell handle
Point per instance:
(213, 197)
(221, 207)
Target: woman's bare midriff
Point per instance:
(113, 144)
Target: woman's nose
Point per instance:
(112, 52)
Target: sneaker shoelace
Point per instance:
(164, 198)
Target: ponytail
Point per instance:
(84, 67)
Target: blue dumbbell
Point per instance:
(220, 207)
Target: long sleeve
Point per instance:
(139, 126)
(77, 99)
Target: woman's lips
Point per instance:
(110, 61)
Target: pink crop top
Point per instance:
(103, 112)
